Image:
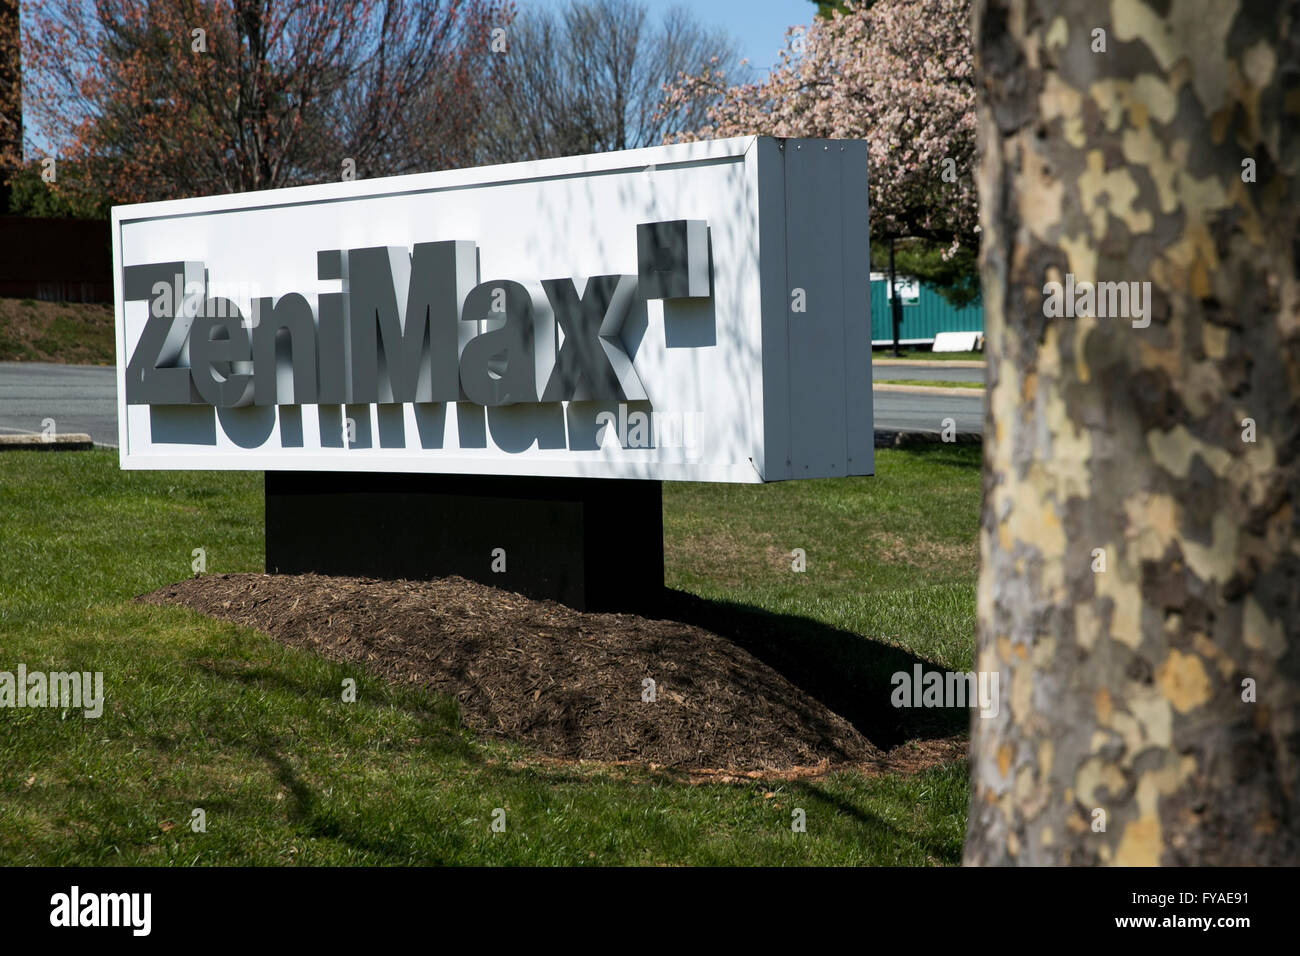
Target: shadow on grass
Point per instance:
(936, 850)
(442, 740)
(440, 714)
(847, 672)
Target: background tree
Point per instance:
(182, 97)
(1159, 697)
(828, 8)
(81, 198)
(589, 79)
(953, 274)
(899, 75)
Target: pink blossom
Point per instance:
(900, 76)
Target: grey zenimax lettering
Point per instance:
(673, 258)
(496, 367)
(419, 345)
(221, 355)
(591, 353)
(406, 327)
(288, 324)
(333, 351)
(154, 375)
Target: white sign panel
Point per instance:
(689, 312)
(909, 291)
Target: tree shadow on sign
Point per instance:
(849, 673)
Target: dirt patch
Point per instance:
(781, 560)
(567, 683)
(911, 758)
(937, 555)
(717, 554)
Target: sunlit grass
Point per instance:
(206, 715)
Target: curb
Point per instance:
(930, 363)
(73, 441)
(926, 389)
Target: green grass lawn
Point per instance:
(202, 714)
(929, 382)
(915, 355)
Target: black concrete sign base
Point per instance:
(594, 544)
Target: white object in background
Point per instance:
(958, 341)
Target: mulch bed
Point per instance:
(565, 682)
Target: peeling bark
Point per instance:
(1122, 690)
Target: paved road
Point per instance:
(83, 399)
(925, 413)
(925, 373)
(80, 398)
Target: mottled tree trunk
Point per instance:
(1159, 697)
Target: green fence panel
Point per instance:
(931, 314)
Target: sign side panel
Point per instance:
(818, 386)
(856, 265)
(775, 293)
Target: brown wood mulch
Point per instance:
(567, 683)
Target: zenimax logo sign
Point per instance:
(408, 326)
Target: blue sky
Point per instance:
(757, 26)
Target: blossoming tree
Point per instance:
(898, 75)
